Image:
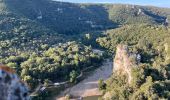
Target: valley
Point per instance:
(49, 43)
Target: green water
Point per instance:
(91, 98)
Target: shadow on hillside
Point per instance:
(64, 18)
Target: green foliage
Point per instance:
(73, 76)
(118, 88)
(29, 43)
(86, 17)
(59, 63)
(129, 14)
(57, 15)
(19, 34)
(150, 78)
(46, 82)
(101, 84)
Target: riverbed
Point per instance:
(88, 88)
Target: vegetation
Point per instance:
(151, 77)
(58, 15)
(19, 34)
(132, 14)
(73, 76)
(81, 18)
(101, 84)
(56, 63)
(34, 37)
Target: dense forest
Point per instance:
(151, 77)
(49, 40)
(85, 17)
(54, 63)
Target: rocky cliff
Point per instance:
(124, 61)
(11, 87)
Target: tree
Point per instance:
(73, 76)
(44, 47)
(12, 65)
(46, 82)
(101, 84)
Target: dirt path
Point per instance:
(89, 86)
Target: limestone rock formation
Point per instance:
(124, 61)
(11, 87)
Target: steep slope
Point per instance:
(130, 14)
(18, 33)
(124, 61)
(70, 18)
(67, 18)
(150, 78)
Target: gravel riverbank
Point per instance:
(89, 86)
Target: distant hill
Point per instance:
(67, 18)
(23, 22)
(70, 18)
(130, 14)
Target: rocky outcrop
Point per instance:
(11, 87)
(124, 61)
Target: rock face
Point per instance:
(124, 61)
(11, 87)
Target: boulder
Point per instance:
(12, 88)
(124, 61)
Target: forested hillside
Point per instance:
(46, 40)
(38, 22)
(151, 77)
(22, 34)
(131, 14)
(69, 18)
(65, 18)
